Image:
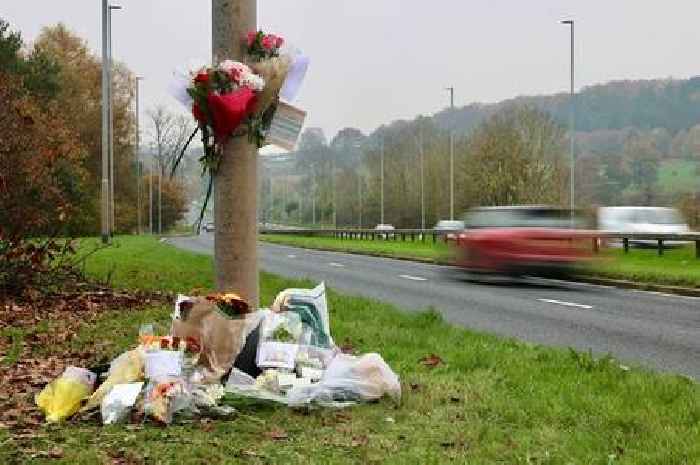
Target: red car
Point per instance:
(527, 240)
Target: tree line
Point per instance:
(515, 153)
(50, 140)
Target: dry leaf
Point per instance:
(277, 435)
(431, 361)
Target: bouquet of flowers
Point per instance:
(230, 304)
(273, 67)
(223, 97)
(235, 98)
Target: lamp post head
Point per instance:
(115, 7)
(569, 22)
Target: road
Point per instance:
(655, 330)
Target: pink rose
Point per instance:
(279, 42)
(269, 41)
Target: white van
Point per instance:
(659, 220)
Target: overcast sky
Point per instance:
(377, 60)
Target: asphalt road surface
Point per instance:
(651, 329)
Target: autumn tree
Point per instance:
(80, 101)
(515, 157)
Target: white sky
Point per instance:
(377, 60)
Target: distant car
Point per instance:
(521, 240)
(657, 220)
(449, 226)
(383, 228)
(209, 227)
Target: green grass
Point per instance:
(676, 176)
(678, 266)
(492, 401)
(417, 250)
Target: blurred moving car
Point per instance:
(655, 220)
(209, 227)
(521, 240)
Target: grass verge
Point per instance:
(488, 400)
(677, 267)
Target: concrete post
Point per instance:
(236, 182)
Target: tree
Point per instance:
(515, 157)
(642, 163)
(41, 180)
(80, 101)
(169, 134)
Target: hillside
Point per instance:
(671, 104)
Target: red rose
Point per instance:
(251, 38)
(199, 114)
(202, 78)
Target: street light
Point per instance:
(452, 153)
(139, 168)
(572, 103)
(382, 178)
(106, 191)
(419, 141)
(111, 118)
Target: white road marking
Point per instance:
(337, 265)
(566, 304)
(412, 278)
(291, 256)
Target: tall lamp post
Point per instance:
(110, 94)
(382, 179)
(572, 120)
(106, 191)
(452, 153)
(419, 140)
(139, 168)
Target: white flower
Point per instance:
(253, 81)
(231, 67)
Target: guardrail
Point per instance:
(597, 237)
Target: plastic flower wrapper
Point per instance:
(182, 78)
(127, 368)
(295, 75)
(274, 71)
(62, 397)
(165, 398)
(281, 327)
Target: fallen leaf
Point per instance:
(415, 387)
(358, 441)
(277, 435)
(431, 361)
(347, 347)
(56, 453)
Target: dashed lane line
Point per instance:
(566, 304)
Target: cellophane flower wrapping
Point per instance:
(274, 72)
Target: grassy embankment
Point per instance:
(678, 266)
(492, 400)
